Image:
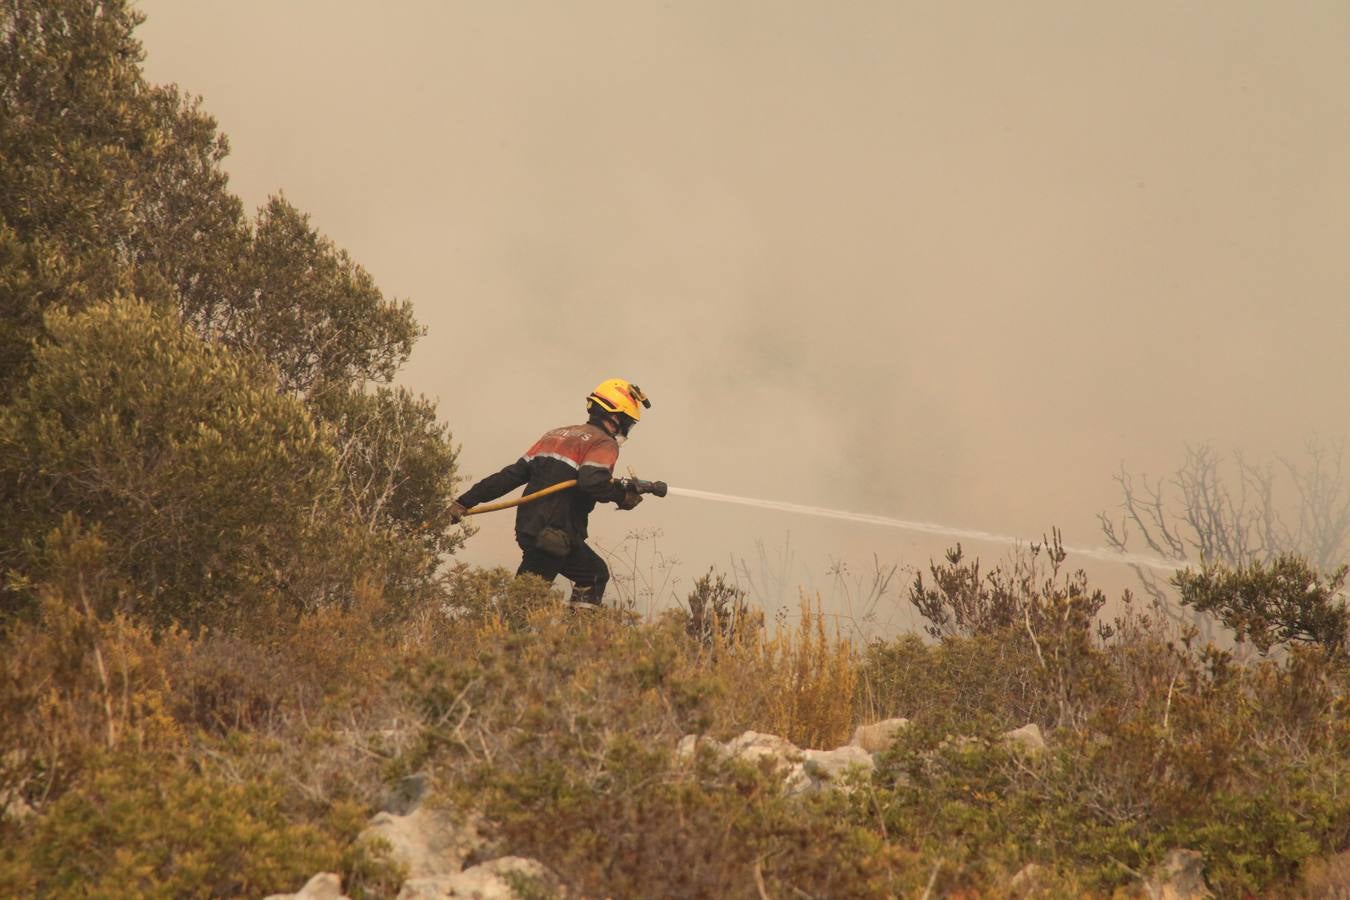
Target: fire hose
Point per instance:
(635, 485)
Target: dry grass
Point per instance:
(810, 677)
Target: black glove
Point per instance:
(630, 500)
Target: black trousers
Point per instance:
(583, 567)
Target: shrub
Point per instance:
(632, 823)
(1283, 602)
(146, 825)
(808, 678)
(208, 486)
(718, 610)
(1177, 747)
(1032, 593)
(991, 680)
(1034, 615)
(73, 686)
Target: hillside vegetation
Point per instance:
(229, 631)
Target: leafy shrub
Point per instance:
(1177, 748)
(398, 479)
(1033, 614)
(496, 599)
(74, 683)
(630, 822)
(956, 685)
(1027, 594)
(209, 487)
(146, 825)
(719, 611)
(1282, 602)
(74, 686)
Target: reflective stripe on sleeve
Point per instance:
(558, 456)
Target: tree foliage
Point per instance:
(397, 479)
(107, 184)
(209, 487)
(1281, 602)
(111, 187)
(311, 311)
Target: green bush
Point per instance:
(1176, 748)
(719, 612)
(113, 187)
(1282, 602)
(559, 727)
(145, 825)
(628, 821)
(213, 493)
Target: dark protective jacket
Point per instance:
(584, 452)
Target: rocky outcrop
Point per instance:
(1180, 877)
(1028, 739)
(427, 842)
(324, 886)
(813, 770)
(432, 846)
(804, 771)
(825, 769)
(879, 736)
(487, 881)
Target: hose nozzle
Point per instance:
(638, 486)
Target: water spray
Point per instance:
(660, 489)
(1100, 553)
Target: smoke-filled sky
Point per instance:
(953, 262)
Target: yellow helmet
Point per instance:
(618, 396)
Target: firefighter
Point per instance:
(551, 531)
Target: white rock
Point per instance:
(324, 886)
(879, 736)
(487, 881)
(752, 745)
(823, 769)
(803, 770)
(831, 764)
(426, 842)
(1180, 877)
(1028, 738)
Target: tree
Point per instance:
(398, 478)
(213, 492)
(312, 312)
(113, 187)
(1238, 515)
(1284, 601)
(108, 185)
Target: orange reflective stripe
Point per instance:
(576, 446)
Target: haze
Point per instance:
(951, 262)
